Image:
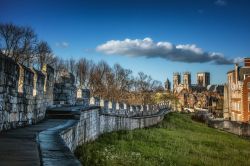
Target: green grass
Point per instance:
(177, 140)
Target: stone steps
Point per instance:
(62, 114)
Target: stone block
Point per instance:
(66, 91)
(102, 103)
(2, 79)
(14, 108)
(30, 117)
(92, 101)
(2, 105)
(13, 100)
(125, 106)
(2, 89)
(13, 117)
(141, 108)
(133, 108)
(128, 107)
(13, 92)
(1, 97)
(97, 101)
(62, 102)
(117, 106)
(8, 107)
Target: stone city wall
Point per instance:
(241, 129)
(24, 93)
(93, 123)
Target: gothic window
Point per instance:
(248, 85)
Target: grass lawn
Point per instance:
(177, 140)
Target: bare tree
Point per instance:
(83, 67)
(27, 53)
(18, 42)
(10, 36)
(97, 77)
(72, 67)
(58, 66)
(44, 54)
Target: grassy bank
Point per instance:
(177, 140)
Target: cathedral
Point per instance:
(199, 95)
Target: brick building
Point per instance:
(237, 93)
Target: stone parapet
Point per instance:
(93, 123)
(23, 99)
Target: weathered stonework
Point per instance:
(94, 101)
(48, 71)
(22, 99)
(93, 123)
(110, 105)
(238, 128)
(65, 90)
(39, 96)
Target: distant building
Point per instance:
(176, 80)
(237, 93)
(203, 79)
(186, 80)
(200, 95)
(167, 85)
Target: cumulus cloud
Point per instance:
(62, 44)
(220, 2)
(188, 53)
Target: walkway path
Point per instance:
(20, 146)
(53, 149)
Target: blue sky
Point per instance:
(76, 28)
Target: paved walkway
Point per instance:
(53, 149)
(20, 147)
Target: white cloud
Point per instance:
(62, 44)
(220, 2)
(146, 47)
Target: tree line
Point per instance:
(110, 82)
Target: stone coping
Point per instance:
(159, 113)
(53, 150)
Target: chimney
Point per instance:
(247, 62)
(236, 70)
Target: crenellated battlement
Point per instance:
(25, 93)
